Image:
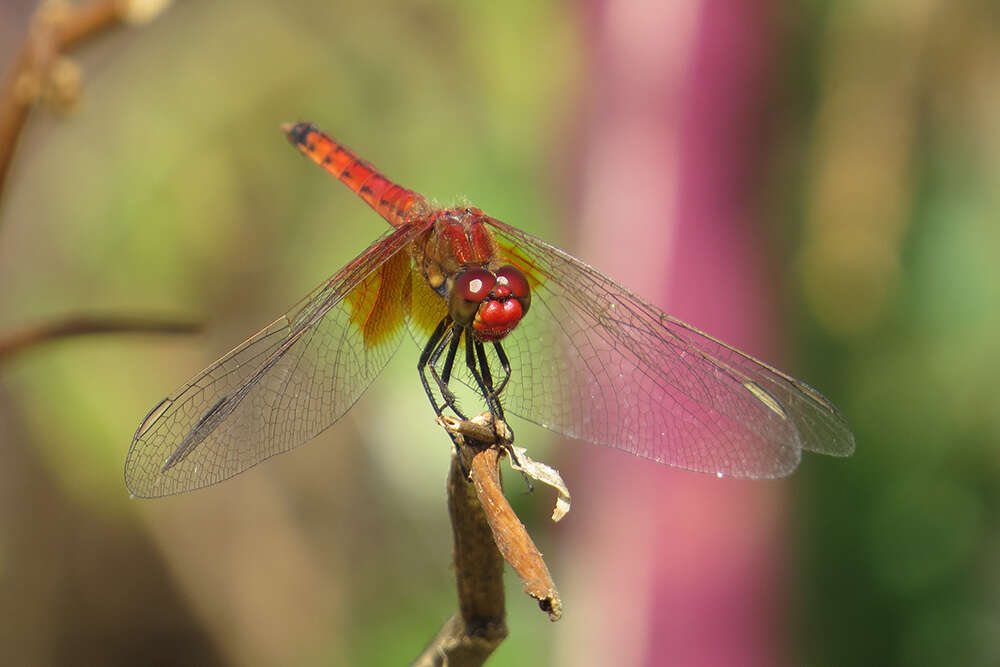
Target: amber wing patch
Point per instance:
(377, 303)
(425, 307)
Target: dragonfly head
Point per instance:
(491, 303)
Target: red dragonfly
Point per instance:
(547, 337)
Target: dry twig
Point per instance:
(19, 341)
(487, 532)
(40, 70)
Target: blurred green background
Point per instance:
(170, 191)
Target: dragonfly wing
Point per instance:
(593, 361)
(284, 385)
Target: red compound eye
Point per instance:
(516, 281)
(474, 284)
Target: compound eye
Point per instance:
(517, 282)
(474, 284)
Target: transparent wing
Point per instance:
(593, 361)
(284, 385)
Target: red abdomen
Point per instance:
(394, 203)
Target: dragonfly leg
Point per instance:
(444, 336)
(504, 363)
(484, 378)
(484, 367)
(450, 341)
(443, 380)
(495, 406)
(449, 361)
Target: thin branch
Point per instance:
(487, 532)
(19, 341)
(469, 637)
(55, 28)
(510, 535)
(78, 23)
(478, 565)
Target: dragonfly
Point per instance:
(533, 330)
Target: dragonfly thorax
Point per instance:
(459, 259)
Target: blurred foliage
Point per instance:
(902, 118)
(170, 190)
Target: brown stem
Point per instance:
(81, 22)
(489, 443)
(54, 29)
(19, 341)
(469, 637)
(487, 532)
(510, 536)
(478, 564)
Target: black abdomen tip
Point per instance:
(297, 133)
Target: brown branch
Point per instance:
(478, 565)
(55, 28)
(469, 637)
(487, 532)
(19, 341)
(77, 23)
(489, 444)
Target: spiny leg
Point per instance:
(487, 391)
(443, 381)
(428, 357)
(449, 361)
(452, 339)
(495, 391)
(504, 364)
(484, 367)
(488, 375)
(444, 336)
